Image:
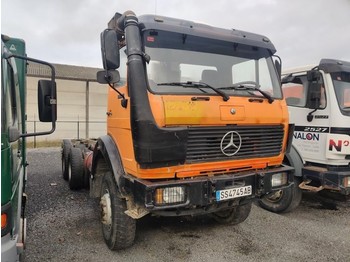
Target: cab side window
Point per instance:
(296, 89)
(123, 66)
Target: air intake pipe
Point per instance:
(153, 146)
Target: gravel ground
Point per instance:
(64, 226)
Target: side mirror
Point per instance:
(47, 101)
(313, 76)
(314, 89)
(108, 77)
(110, 50)
(314, 96)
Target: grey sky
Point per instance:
(67, 31)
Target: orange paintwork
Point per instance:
(180, 110)
(171, 110)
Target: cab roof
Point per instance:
(327, 65)
(332, 65)
(156, 22)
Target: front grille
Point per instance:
(204, 144)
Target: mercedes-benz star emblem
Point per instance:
(230, 143)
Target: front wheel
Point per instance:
(118, 228)
(234, 215)
(284, 200)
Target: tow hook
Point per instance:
(304, 185)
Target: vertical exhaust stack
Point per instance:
(126, 16)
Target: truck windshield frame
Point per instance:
(3, 105)
(10, 109)
(341, 84)
(177, 57)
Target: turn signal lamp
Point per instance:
(169, 195)
(3, 220)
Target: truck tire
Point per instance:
(75, 169)
(234, 215)
(297, 195)
(66, 146)
(284, 200)
(118, 228)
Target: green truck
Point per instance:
(13, 140)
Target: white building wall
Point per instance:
(78, 107)
(98, 95)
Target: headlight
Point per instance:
(279, 179)
(347, 182)
(170, 195)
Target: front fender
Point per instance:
(293, 158)
(106, 157)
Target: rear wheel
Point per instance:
(283, 201)
(66, 146)
(75, 169)
(118, 228)
(233, 216)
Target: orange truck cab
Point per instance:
(196, 123)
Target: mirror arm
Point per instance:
(53, 72)
(124, 101)
(310, 116)
(52, 99)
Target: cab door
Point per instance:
(14, 125)
(311, 125)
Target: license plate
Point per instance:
(233, 193)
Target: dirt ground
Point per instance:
(63, 225)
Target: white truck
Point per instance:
(318, 99)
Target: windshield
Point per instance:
(216, 63)
(341, 82)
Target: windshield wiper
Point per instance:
(249, 86)
(199, 85)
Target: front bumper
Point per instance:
(200, 192)
(328, 178)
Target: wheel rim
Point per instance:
(275, 197)
(106, 209)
